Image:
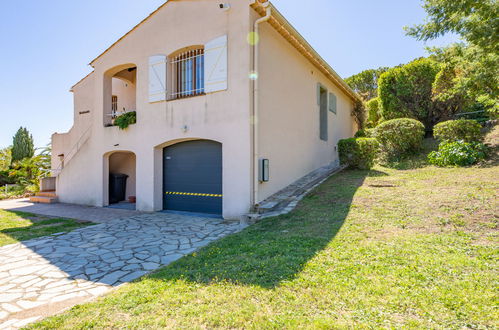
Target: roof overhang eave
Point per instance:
(285, 29)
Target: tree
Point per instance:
(476, 75)
(474, 20)
(406, 91)
(30, 170)
(476, 61)
(22, 146)
(373, 113)
(366, 83)
(5, 158)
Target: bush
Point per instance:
(358, 152)
(366, 132)
(466, 130)
(126, 119)
(373, 116)
(458, 153)
(360, 133)
(406, 91)
(399, 137)
(5, 178)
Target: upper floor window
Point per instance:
(196, 71)
(187, 74)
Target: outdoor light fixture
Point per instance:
(224, 6)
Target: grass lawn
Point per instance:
(21, 226)
(412, 246)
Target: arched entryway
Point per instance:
(192, 177)
(120, 89)
(121, 180)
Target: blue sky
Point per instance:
(46, 46)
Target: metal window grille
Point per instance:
(187, 74)
(114, 104)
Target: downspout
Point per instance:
(256, 30)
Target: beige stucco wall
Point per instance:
(83, 113)
(288, 120)
(126, 93)
(289, 114)
(221, 116)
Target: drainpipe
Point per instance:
(256, 30)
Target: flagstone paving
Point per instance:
(43, 276)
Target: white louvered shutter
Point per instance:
(157, 78)
(215, 65)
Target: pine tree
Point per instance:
(22, 146)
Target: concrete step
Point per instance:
(46, 194)
(42, 199)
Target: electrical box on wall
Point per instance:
(264, 170)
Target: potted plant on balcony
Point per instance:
(126, 119)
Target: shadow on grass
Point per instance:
(21, 226)
(417, 160)
(276, 249)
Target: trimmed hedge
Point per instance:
(458, 153)
(373, 112)
(399, 137)
(358, 152)
(466, 130)
(406, 91)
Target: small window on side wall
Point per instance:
(333, 103)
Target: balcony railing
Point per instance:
(115, 114)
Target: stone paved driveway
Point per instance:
(62, 210)
(41, 277)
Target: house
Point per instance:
(232, 105)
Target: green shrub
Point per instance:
(358, 152)
(466, 130)
(399, 137)
(360, 133)
(365, 132)
(373, 113)
(126, 119)
(458, 153)
(406, 91)
(5, 178)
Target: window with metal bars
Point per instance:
(187, 73)
(114, 104)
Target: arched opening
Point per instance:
(120, 180)
(120, 92)
(192, 177)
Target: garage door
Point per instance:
(192, 177)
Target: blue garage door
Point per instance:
(192, 177)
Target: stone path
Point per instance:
(80, 212)
(285, 200)
(43, 276)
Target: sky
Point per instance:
(46, 47)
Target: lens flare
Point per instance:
(253, 38)
(253, 75)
